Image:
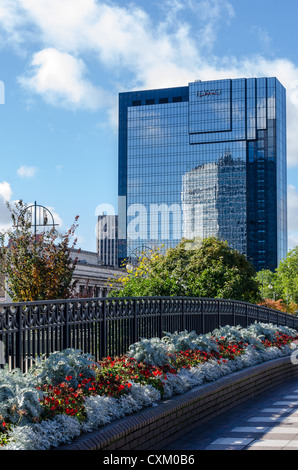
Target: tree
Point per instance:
(194, 268)
(279, 288)
(268, 284)
(280, 305)
(36, 267)
(287, 276)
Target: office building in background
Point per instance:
(207, 159)
(107, 239)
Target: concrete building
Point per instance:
(91, 276)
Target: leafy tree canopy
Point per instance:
(281, 286)
(36, 267)
(279, 304)
(268, 284)
(287, 276)
(194, 268)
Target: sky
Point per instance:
(64, 62)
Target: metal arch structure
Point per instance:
(41, 216)
(137, 252)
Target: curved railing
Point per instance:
(108, 326)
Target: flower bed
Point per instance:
(69, 394)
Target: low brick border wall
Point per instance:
(155, 427)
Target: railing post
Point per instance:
(19, 341)
(104, 348)
(160, 319)
(135, 322)
(203, 319)
(183, 316)
(218, 314)
(66, 335)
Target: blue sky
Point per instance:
(63, 63)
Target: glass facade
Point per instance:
(204, 160)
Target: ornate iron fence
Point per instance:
(108, 326)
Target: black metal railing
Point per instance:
(108, 326)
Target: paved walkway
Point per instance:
(268, 422)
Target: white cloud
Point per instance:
(263, 36)
(27, 171)
(5, 190)
(211, 16)
(126, 38)
(62, 23)
(5, 215)
(59, 78)
(12, 21)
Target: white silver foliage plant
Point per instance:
(44, 435)
(160, 352)
(19, 397)
(143, 395)
(237, 334)
(183, 381)
(69, 362)
(152, 351)
(268, 330)
(183, 341)
(102, 410)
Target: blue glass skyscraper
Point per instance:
(207, 159)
